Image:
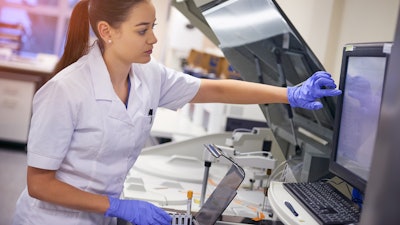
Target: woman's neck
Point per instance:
(119, 75)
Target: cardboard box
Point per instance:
(227, 71)
(212, 64)
(195, 59)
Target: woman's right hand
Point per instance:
(137, 212)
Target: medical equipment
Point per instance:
(218, 201)
(181, 219)
(253, 154)
(258, 28)
(223, 193)
(183, 170)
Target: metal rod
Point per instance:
(207, 166)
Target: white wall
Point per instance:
(329, 24)
(311, 18)
(364, 21)
(161, 29)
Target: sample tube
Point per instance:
(189, 202)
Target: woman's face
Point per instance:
(133, 41)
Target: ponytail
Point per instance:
(77, 43)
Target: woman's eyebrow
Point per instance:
(143, 24)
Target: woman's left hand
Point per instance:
(319, 85)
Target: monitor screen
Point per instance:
(361, 80)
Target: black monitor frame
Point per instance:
(378, 49)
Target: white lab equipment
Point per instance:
(163, 172)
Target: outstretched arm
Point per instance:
(239, 92)
(319, 85)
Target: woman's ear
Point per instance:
(104, 31)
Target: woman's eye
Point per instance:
(142, 32)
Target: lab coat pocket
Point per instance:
(143, 130)
(147, 123)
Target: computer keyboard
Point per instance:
(324, 202)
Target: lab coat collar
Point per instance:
(102, 86)
(101, 80)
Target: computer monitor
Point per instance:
(362, 80)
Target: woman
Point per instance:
(92, 118)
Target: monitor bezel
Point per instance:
(352, 50)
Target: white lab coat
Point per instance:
(82, 129)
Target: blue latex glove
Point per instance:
(306, 95)
(137, 212)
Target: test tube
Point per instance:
(189, 202)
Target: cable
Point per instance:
(272, 178)
(276, 169)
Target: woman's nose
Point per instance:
(152, 38)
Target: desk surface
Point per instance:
(277, 196)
